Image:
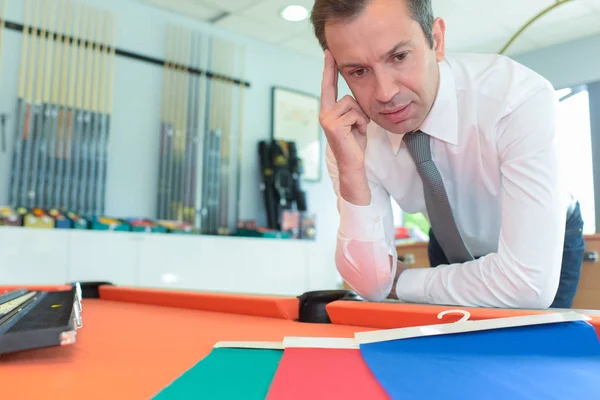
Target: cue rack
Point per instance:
(63, 112)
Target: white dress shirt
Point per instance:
(494, 141)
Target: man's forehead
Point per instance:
(363, 45)
(373, 33)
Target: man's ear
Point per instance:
(439, 32)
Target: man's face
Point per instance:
(388, 64)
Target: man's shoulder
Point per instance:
(495, 76)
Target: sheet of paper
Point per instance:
(324, 373)
(553, 361)
(226, 373)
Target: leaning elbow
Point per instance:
(536, 297)
(369, 294)
(364, 285)
(372, 280)
(537, 301)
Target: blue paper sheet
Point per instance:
(553, 361)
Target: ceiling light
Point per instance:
(294, 13)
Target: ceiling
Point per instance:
(471, 25)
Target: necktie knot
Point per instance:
(417, 144)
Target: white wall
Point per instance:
(132, 174)
(567, 64)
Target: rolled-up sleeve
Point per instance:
(365, 240)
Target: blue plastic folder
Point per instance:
(551, 361)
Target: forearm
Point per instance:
(365, 242)
(494, 281)
(366, 253)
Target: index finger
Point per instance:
(329, 83)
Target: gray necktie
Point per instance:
(436, 199)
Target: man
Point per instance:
(469, 140)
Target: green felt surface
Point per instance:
(227, 374)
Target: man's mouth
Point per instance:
(395, 109)
(397, 114)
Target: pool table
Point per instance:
(136, 341)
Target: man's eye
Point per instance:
(400, 56)
(358, 72)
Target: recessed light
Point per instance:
(294, 13)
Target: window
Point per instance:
(575, 143)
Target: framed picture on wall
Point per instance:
(295, 118)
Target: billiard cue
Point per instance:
(201, 134)
(185, 127)
(41, 107)
(86, 137)
(106, 103)
(241, 96)
(78, 129)
(221, 138)
(175, 124)
(176, 127)
(226, 134)
(64, 123)
(210, 181)
(229, 83)
(67, 152)
(220, 123)
(194, 130)
(164, 130)
(96, 118)
(56, 123)
(44, 189)
(206, 137)
(179, 123)
(22, 111)
(171, 54)
(191, 131)
(96, 196)
(31, 112)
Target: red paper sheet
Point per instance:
(309, 373)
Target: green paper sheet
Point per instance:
(227, 373)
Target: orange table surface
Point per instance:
(130, 350)
(134, 342)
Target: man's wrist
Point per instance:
(400, 268)
(354, 186)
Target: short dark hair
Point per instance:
(325, 11)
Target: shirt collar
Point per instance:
(442, 120)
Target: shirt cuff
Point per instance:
(410, 287)
(361, 223)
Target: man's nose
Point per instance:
(386, 87)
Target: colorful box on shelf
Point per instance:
(10, 217)
(145, 225)
(263, 233)
(38, 218)
(110, 224)
(79, 222)
(176, 227)
(61, 221)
